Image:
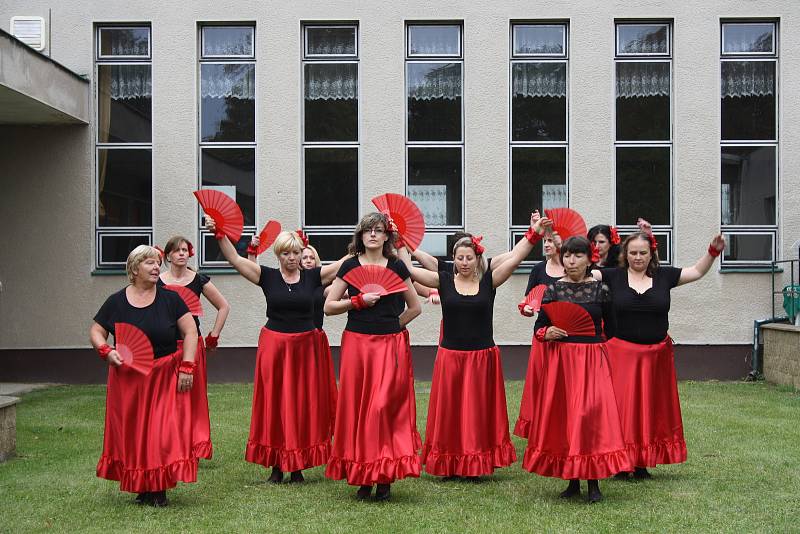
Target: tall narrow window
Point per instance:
(123, 143)
(749, 141)
(331, 137)
(435, 129)
(643, 140)
(227, 133)
(538, 123)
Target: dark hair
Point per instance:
(578, 244)
(458, 236)
(613, 250)
(173, 244)
(368, 222)
(652, 267)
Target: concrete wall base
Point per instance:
(8, 427)
(782, 354)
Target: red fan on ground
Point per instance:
(134, 347)
(225, 212)
(534, 297)
(268, 235)
(375, 279)
(405, 214)
(189, 297)
(566, 222)
(570, 317)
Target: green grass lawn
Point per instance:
(743, 474)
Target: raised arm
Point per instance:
(521, 249)
(328, 272)
(426, 260)
(247, 268)
(500, 259)
(426, 277)
(699, 269)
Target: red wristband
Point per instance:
(540, 333)
(186, 367)
(358, 302)
(532, 236)
(433, 292)
(251, 249)
(211, 341)
(522, 311)
(219, 234)
(104, 350)
(713, 251)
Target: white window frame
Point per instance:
(730, 230)
(564, 39)
(619, 54)
(438, 24)
(101, 27)
(772, 53)
(329, 26)
(99, 245)
(205, 26)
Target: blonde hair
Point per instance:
(317, 261)
(137, 256)
(468, 243)
(287, 241)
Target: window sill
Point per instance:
(765, 269)
(109, 272)
(523, 270)
(218, 270)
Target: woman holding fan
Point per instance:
(147, 443)
(182, 278)
(640, 353)
(467, 430)
(376, 439)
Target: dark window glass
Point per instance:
(643, 99)
(537, 254)
(330, 247)
(227, 41)
(124, 41)
(748, 100)
(227, 112)
(538, 181)
(233, 171)
(748, 185)
(642, 39)
(748, 38)
(434, 101)
(115, 248)
(748, 247)
(331, 102)
(431, 40)
(331, 186)
(440, 245)
(124, 103)
(539, 102)
(538, 39)
(643, 184)
(125, 187)
(212, 253)
(330, 41)
(434, 183)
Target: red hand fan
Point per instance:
(225, 212)
(268, 235)
(189, 297)
(375, 279)
(534, 297)
(405, 214)
(570, 317)
(566, 222)
(134, 347)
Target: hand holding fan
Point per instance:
(189, 297)
(534, 297)
(268, 235)
(375, 279)
(570, 317)
(405, 214)
(225, 212)
(134, 348)
(566, 222)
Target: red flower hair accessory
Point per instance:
(191, 249)
(303, 237)
(476, 241)
(614, 236)
(160, 251)
(653, 242)
(595, 253)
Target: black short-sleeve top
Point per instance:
(158, 321)
(319, 305)
(290, 307)
(539, 276)
(642, 318)
(196, 285)
(466, 319)
(592, 296)
(383, 317)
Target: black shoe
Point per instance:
(296, 477)
(641, 473)
(594, 492)
(363, 493)
(143, 498)
(382, 492)
(622, 475)
(475, 480)
(158, 499)
(573, 489)
(451, 478)
(276, 477)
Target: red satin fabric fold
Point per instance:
(575, 430)
(646, 388)
(467, 430)
(529, 390)
(147, 443)
(201, 426)
(290, 426)
(376, 440)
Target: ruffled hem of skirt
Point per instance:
(203, 450)
(522, 428)
(659, 452)
(142, 480)
(288, 460)
(583, 466)
(439, 463)
(382, 471)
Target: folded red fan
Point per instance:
(268, 235)
(566, 222)
(134, 348)
(405, 214)
(224, 210)
(189, 297)
(375, 279)
(572, 318)
(534, 297)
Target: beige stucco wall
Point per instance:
(46, 175)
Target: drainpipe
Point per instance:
(755, 358)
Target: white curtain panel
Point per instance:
(539, 80)
(639, 79)
(233, 80)
(128, 81)
(331, 81)
(747, 78)
(434, 81)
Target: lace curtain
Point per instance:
(126, 81)
(539, 80)
(638, 79)
(538, 40)
(334, 81)
(435, 40)
(747, 78)
(433, 81)
(228, 81)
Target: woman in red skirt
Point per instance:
(177, 252)
(640, 353)
(467, 430)
(147, 443)
(575, 432)
(290, 427)
(376, 438)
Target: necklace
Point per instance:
(288, 286)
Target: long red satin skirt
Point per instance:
(575, 431)
(376, 440)
(326, 362)
(647, 396)
(526, 409)
(290, 426)
(467, 430)
(147, 443)
(201, 426)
